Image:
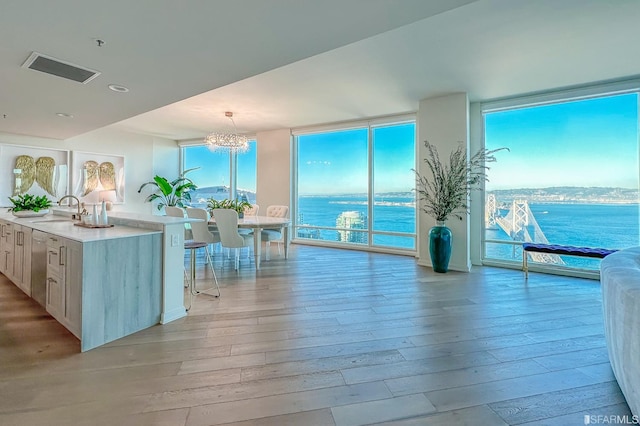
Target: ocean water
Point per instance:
(390, 213)
(614, 226)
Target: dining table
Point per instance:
(257, 224)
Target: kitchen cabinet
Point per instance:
(15, 254)
(101, 284)
(22, 258)
(64, 282)
(7, 241)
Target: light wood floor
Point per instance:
(327, 337)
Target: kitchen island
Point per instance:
(101, 284)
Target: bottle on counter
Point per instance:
(104, 220)
(94, 216)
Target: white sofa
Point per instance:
(620, 279)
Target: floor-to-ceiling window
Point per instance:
(354, 185)
(220, 174)
(570, 178)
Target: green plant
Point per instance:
(174, 193)
(237, 205)
(29, 202)
(445, 192)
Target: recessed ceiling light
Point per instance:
(64, 115)
(118, 88)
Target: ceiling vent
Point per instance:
(49, 65)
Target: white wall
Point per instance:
(274, 169)
(444, 122)
(145, 156)
(476, 142)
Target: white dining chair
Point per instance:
(227, 222)
(252, 211)
(249, 211)
(274, 234)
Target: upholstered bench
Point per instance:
(598, 253)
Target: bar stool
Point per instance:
(193, 246)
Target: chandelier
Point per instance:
(233, 142)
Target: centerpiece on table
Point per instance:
(445, 191)
(237, 205)
(28, 205)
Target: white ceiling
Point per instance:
(291, 63)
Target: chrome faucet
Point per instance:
(77, 216)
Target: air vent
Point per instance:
(49, 65)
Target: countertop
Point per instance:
(60, 224)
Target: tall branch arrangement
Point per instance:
(445, 191)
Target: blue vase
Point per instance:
(440, 247)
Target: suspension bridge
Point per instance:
(520, 225)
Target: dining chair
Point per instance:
(252, 211)
(227, 222)
(274, 234)
(249, 211)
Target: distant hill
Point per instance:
(569, 194)
(218, 192)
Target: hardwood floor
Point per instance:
(328, 337)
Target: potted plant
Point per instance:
(171, 193)
(29, 205)
(237, 205)
(444, 192)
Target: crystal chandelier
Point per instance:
(228, 141)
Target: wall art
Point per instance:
(32, 170)
(97, 177)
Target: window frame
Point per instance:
(578, 93)
(369, 125)
(232, 159)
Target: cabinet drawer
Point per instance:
(55, 260)
(55, 296)
(53, 242)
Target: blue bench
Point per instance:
(598, 253)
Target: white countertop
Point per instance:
(62, 226)
(150, 218)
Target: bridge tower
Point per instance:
(520, 220)
(520, 223)
(490, 210)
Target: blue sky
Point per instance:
(591, 142)
(214, 167)
(337, 162)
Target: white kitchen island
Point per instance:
(101, 284)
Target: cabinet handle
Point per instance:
(63, 251)
(20, 238)
(51, 254)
